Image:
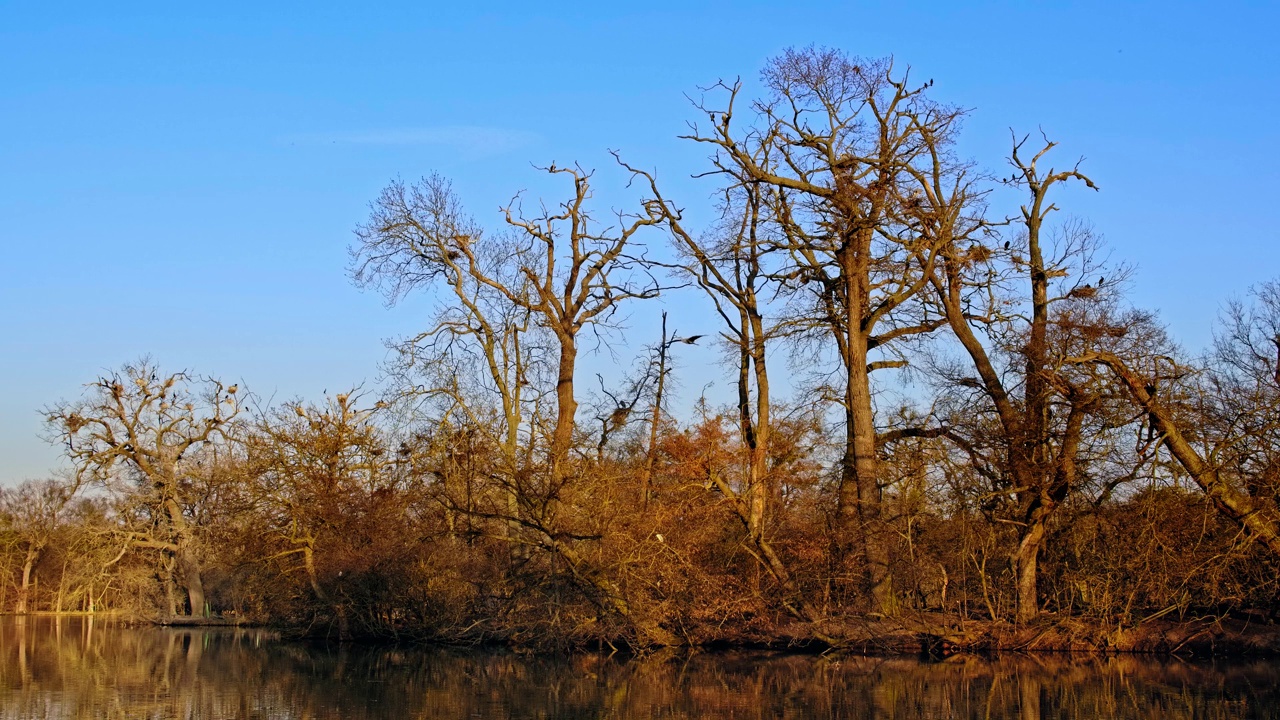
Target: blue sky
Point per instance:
(183, 181)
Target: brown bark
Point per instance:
(566, 407)
(193, 582)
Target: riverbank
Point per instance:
(913, 633)
(941, 635)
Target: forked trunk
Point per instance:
(1025, 561)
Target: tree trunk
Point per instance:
(24, 592)
(170, 591)
(566, 408)
(651, 457)
(194, 583)
(1025, 563)
(862, 473)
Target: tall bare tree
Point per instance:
(997, 325)
(844, 153)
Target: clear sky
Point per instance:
(182, 179)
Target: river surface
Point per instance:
(83, 668)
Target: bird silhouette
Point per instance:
(690, 340)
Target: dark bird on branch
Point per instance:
(1006, 244)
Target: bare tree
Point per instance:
(732, 269)
(845, 154)
(310, 468)
(558, 270)
(1019, 309)
(135, 430)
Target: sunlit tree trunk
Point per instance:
(24, 590)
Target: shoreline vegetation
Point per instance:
(924, 634)
(947, 428)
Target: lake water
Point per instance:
(81, 668)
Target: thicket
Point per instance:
(1054, 450)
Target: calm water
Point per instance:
(75, 668)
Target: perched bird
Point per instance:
(1006, 244)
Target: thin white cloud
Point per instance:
(467, 139)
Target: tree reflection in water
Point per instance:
(86, 668)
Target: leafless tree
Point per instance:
(136, 430)
(846, 155)
(558, 270)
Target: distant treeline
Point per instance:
(976, 421)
